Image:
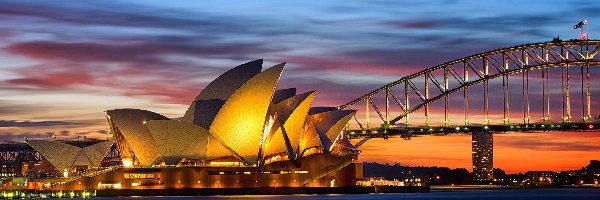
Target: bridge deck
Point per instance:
(436, 130)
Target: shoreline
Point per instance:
(207, 192)
(499, 187)
(215, 191)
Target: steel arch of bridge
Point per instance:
(500, 63)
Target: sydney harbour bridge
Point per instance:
(532, 87)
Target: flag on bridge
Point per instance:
(580, 24)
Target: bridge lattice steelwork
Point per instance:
(436, 84)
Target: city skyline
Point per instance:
(63, 65)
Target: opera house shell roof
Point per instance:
(239, 118)
(64, 156)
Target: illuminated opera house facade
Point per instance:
(238, 132)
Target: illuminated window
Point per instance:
(109, 185)
(141, 175)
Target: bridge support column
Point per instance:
(583, 96)
(545, 97)
(567, 118)
(526, 115)
(367, 112)
(446, 96)
(466, 90)
(562, 91)
(524, 101)
(506, 92)
(527, 96)
(466, 106)
(567, 93)
(585, 91)
(486, 106)
(546, 88)
(427, 98)
(587, 82)
(588, 94)
(387, 106)
(406, 103)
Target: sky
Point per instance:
(63, 64)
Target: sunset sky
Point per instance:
(62, 64)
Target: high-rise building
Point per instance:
(483, 155)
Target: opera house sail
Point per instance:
(240, 131)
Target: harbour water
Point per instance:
(511, 194)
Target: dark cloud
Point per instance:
(409, 59)
(420, 23)
(105, 14)
(64, 133)
(20, 137)
(16, 123)
(538, 145)
(145, 54)
(12, 107)
(588, 10)
(498, 24)
(340, 64)
(204, 24)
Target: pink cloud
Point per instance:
(349, 65)
(54, 80)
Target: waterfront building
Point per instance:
(541, 178)
(238, 132)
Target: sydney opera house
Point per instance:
(238, 132)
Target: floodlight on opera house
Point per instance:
(239, 119)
